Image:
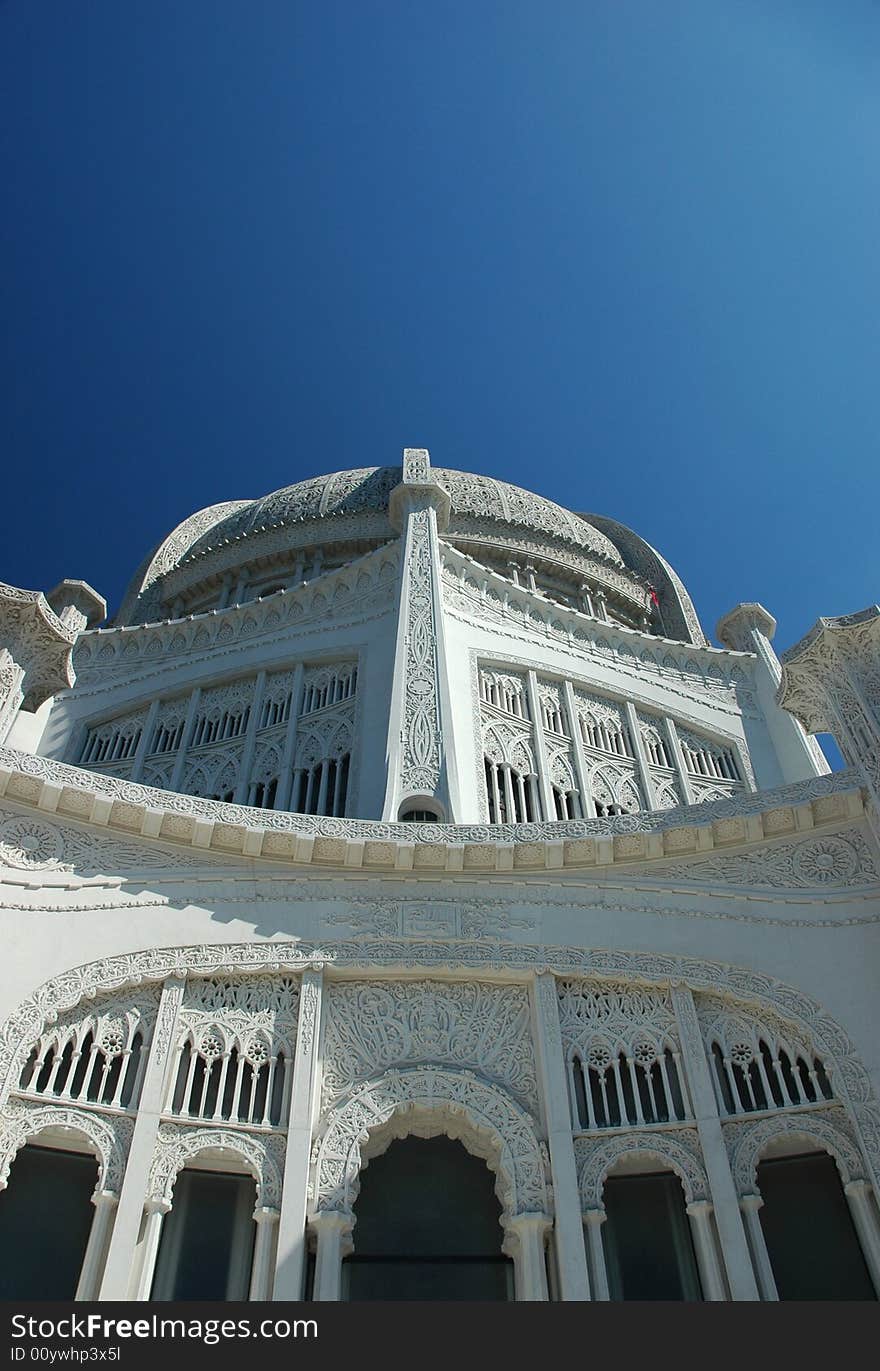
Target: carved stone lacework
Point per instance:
(420, 761)
(38, 642)
(759, 1061)
(816, 863)
(94, 1053)
(622, 1055)
(852, 1082)
(679, 1150)
(371, 1026)
(827, 1130)
(443, 919)
(616, 789)
(505, 691)
(43, 768)
(262, 1155)
(32, 844)
(443, 1101)
(667, 791)
(22, 1121)
(235, 1053)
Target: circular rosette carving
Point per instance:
(825, 861)
(332, 828)
(30, 844)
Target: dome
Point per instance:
(366, 490)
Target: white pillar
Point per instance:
(118, 1271)
(684, 780)
(149, 728)
(250, 739)
(263, 1266)
(858, 1194)
(711, 1276)
(544, 786)
(734, 1248)
(285, 774)
(571, 1258)
(593, 1220)
(304, 1095)
(332, 1228)
(188, 725)
(750, 1204)
(154, 1215)
(525, 1243)
(638, 746)
(105, 1203)
(588, 807)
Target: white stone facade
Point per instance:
(405, 802)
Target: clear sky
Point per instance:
(621, 252)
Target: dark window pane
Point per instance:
(45, 1217)
(207, 1240)
(810, 1237)
(427, 1227)
(647, 1238)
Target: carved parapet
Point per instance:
(837, 652)
(37, 641)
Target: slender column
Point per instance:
(188, 725)
(331, 1228)
(593, 1221)
(750, 1204)
(305, 1090)
(740, 1274)
(155, 1211)
(711, 1275)
(149, 728)
(687, 793)
(105, 1202)
(225, 590)
(635, 733)
(525, 1243)
(250, 739)
(11, 693)
(116, 1281)
(263, 1267)
(571, 1259)
(588, 805)
(544, 785)
(858, 1194)
(285, 776)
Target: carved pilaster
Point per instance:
(419, 766)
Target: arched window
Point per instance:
(207, 1243)
(611, 1089)
(510, 794)
(45, 1219)
(649, 1252)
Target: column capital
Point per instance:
(700, 1208)
(156, 1204)
(105, 1199)
(266, 1214)
(857, 1186)
(751, 1202)
(340, 1221)
(594, 1218)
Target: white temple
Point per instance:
(402, 899)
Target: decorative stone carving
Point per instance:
(263, 1155)
(109, 1136)
(826, 1130)
(371, 1026)
(818, 863)
(678, 1149)
(435, 1099)
(420, 762)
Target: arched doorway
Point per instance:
(810, 1236)
(207, 1242)
(428, 1227)
(45, 1218)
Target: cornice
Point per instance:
(207, 826)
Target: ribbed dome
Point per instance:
(366, 490)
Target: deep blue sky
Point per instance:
(621, 252)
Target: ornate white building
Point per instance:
(403, 817)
